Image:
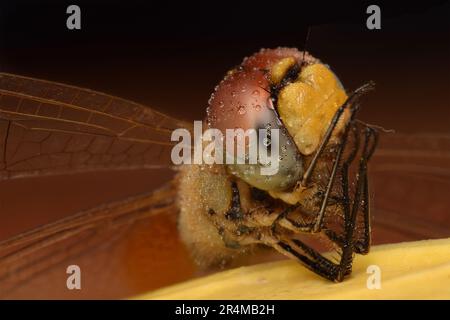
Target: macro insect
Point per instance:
(314, 192)
(317, 201)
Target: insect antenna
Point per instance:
(308, 31)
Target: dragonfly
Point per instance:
(48, 128)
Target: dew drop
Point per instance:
(241, 110)
(255, 92)
(211, 98)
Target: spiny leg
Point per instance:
(349, 103)
(315, 260)
(350, 222)
(333, 236)
(311, 258)
(319, 220)
(316, 225)
(362, 246)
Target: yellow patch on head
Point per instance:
(308, 105)
(280, 68)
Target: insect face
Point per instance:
(280, 89)
(312, 193)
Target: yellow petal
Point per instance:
(410, 270)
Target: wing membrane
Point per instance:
(119, 248)
(410, 178)
(48, 128)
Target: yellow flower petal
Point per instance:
(411, 270)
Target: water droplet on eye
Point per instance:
(221, 104)
(211, 98)
(233, 93)
(255, 92)
(241, 110)
(257, 107)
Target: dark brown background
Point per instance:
(170, 57)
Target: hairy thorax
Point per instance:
(222, 218)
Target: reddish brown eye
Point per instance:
(240, 101)
(243, 101)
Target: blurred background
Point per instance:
(170, 56)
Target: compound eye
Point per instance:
(242, 101)
(279, 164)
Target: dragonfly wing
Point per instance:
(49, 128)
(410, 179)
(122, 249)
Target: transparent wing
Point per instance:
(410, 179)
(119, 247)
(48, 128)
